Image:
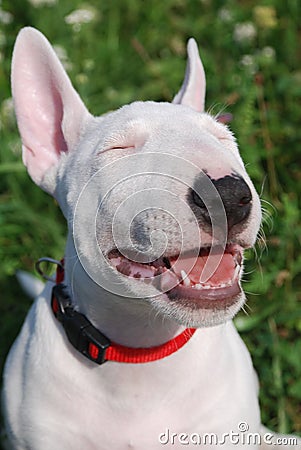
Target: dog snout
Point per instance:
(231, 196)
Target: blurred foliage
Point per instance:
(120, 51)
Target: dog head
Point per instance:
(158, 203)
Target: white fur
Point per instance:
(54, 397)
(31, 285)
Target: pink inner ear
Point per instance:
(224, 118)
(40, 124)
(49, 112)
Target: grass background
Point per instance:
(120, 51)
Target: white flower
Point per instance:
(249, 62)
(5, 17)
(7, 115)
(225, 15)
(82, 78)
(89, 64)
(63, 57)
(244, 32)
(266, 56)
(80, 16)
(7, 107)
(38, 3)
(268, 53)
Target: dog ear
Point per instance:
(193, 90)
(50, 113)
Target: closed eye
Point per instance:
(117, 147)
(120, 147)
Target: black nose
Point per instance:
(233, 192)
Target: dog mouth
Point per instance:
(212, 274)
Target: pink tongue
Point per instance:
(219, 268)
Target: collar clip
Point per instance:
(81, 333)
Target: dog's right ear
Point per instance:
(50, 113)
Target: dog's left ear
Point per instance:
(193, 90)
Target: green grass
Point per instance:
(132, 50)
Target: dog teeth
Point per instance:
(185, 278)
(202, 286)
(183, 274)
(187, 282)
(236, 272)
(209, 286)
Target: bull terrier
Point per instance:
(133, 346)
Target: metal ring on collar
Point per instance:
(40, 271)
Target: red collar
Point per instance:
(89, 341)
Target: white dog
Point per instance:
(159, 209)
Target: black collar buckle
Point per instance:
(84, 337)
